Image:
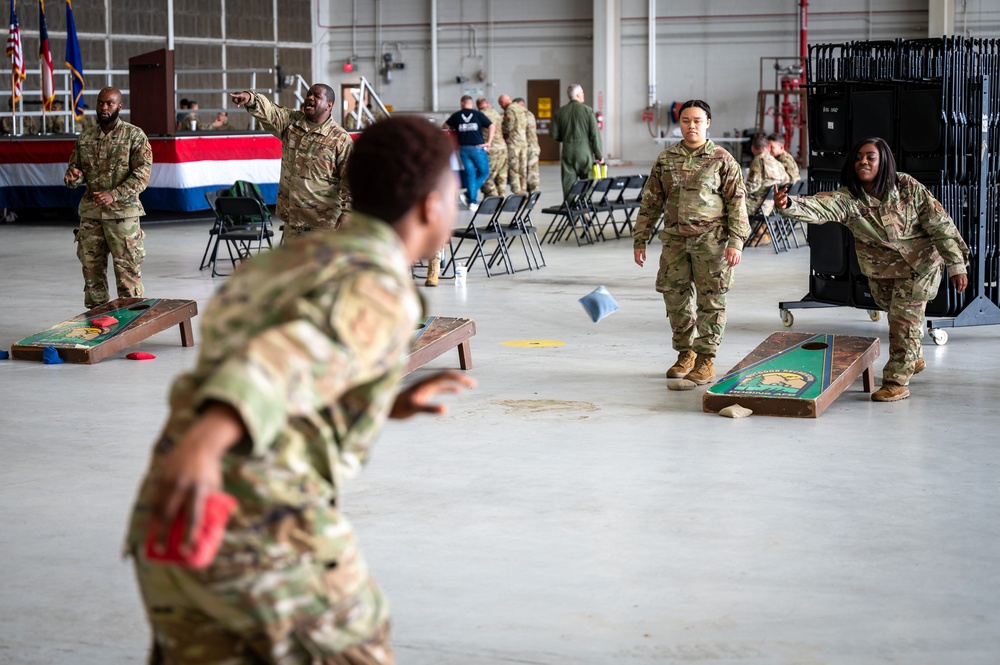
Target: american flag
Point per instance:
(14, 51)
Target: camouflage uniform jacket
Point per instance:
(515, 125)
(531, 132)
(307, 343)
(765, 172)
(117, 162)
(499, 145)
(908, 232)
(696, 190)
(791, 167)
(313, 182)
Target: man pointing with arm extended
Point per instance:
(312, 192)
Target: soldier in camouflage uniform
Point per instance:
(496, 182)
(302, 354)
(113, 160)
(313, 192)
(776, 145)
(575, 126)
(534, 150)
(28, 122)
(56, 124)
(765, 172)
(515, 133)
(698, 187)
(903, 238)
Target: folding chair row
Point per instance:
(779, 230)
(503, 221)
(590, 206)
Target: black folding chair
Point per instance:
(508, 221)
(607, 204)
(214, 231)
(568, 216)
(597, 204)
(482, 228)
(529, 230)
(769, 226)
(243, 221)
(629, 200)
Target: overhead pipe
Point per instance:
(170, 25)
(652, 53)
(434, 56)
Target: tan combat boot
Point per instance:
(920, 366)
(890, 392)
(433, 272)
(685, 361)
(703, 372)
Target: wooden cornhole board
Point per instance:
(80, 341)
(795, 374)
(437, 335)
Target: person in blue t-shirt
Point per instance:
(472, 150)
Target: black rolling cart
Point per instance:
(937, 103)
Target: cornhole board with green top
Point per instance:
(795, 374)
(81, 340)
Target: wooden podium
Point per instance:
(151, 92)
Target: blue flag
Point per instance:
(73, 61)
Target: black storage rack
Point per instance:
(937, 103)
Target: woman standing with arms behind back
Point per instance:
(698, 187)
(903, 237)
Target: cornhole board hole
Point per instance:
(795, 374)
(438, 334)
(78, 340)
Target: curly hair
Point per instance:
(885, 179)
(395, 164)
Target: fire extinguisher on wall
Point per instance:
(600, 121)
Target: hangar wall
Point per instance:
(709, 49)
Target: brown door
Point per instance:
(543, 101)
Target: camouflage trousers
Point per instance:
(296, 229)
(301, 613)
(517, 168)
(534, 177)
(496, 181)
(904, 300)
(694, 279)
(122, 238)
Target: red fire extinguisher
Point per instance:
(600, 120)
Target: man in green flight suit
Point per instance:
(575, 126)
